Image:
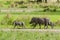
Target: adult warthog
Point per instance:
(41, 21)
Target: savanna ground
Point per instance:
(6, 21)
(28, 35)
(24, 35)
(26, 18)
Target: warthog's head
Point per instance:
(52, 24)
(32, 20)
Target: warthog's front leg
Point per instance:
(14, 26)
(39, 26)
(45, 26)
(34, 26)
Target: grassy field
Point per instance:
(7, 18)
(26, 17)
(29, 35)
(8, 3)
(31, 13)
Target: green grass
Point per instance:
(26, 19)
(29, 35)
(33, 13)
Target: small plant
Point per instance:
(7, 3)
(58, 22)
(8, 19)
(46, 9)
(23, 6)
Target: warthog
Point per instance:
(41, 21)
(16, 23)
(51, 24)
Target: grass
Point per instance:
(7, 4)
(32, 13)
(24, 35)
(26, 19)
(29, 35)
